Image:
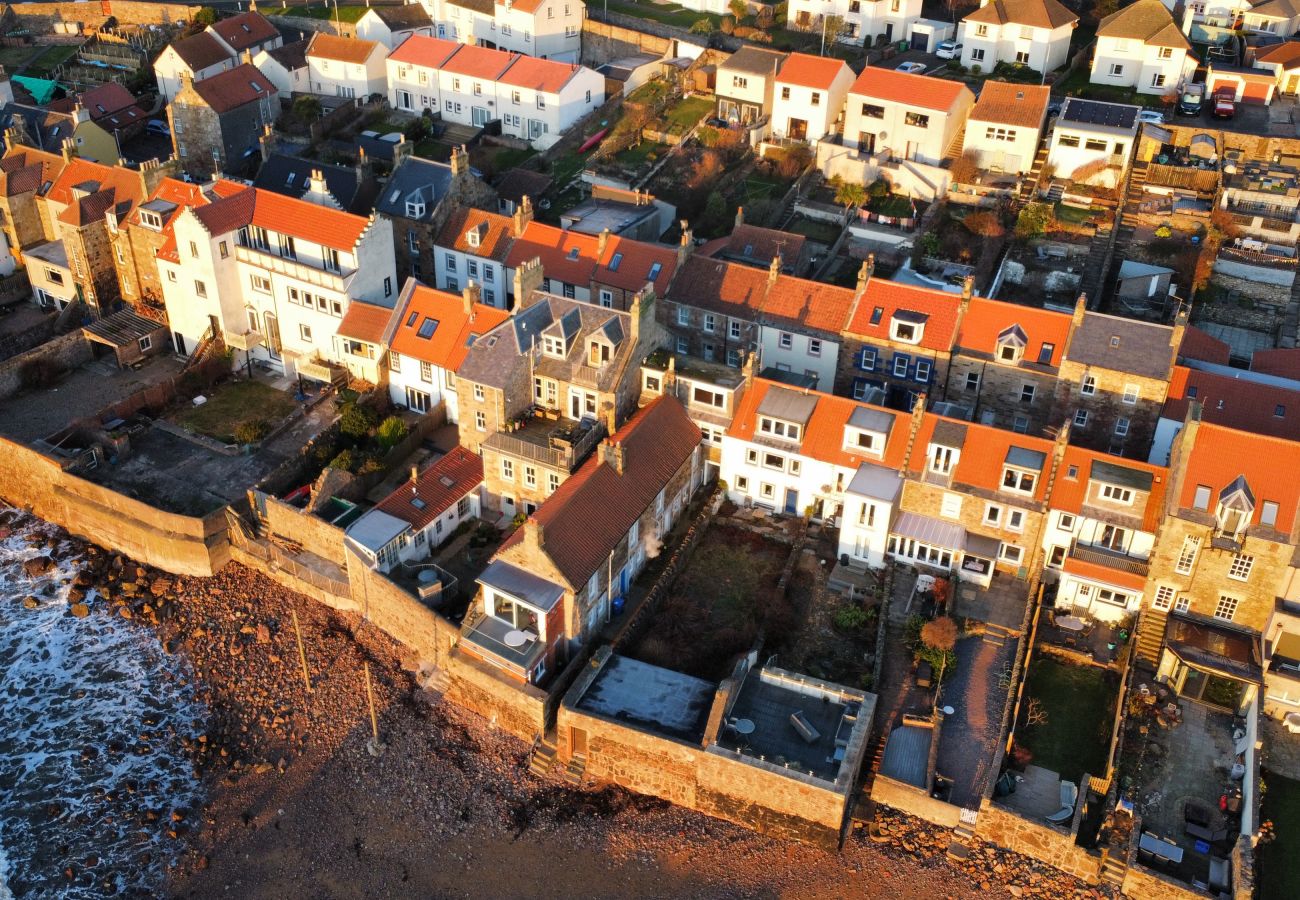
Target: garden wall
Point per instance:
(311, 531)
(1044, 843)
(310, 25)
(69, 350)
(512, 706)
(93, 13)
(914, 801)
(604, 42)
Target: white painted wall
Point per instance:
(1140, 66)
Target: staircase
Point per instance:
(955, 147)
(997, 635)
(574, 770)
(959, 846)
(1029, 184)
(1113, 871)
(1094, 267)
(1151, 636)
(1290, 334)
(209, 346)
(541, 761)
(1055, 192)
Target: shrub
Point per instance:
(929, 244)
(1089, 171)
(1034, 220)
(976, 70)
(878, 189)
(1164, 231)
(984, 224)
(738, 8)
(250, 431)
(39, 373)
(370, 464)
(965, 168)
(851, 618)
(346, 461)
(728, 24)
(701, 26)
(392, 431)
(356, 420)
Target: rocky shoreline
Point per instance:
(298, 805)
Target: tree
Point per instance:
(205, 16)
(983, 223)
(706, 169)
(739, 9)
(306, 109)
(879, 189)
(832, 28)
(940, 636)
(965, 168)
(1034, 220)
(391, 432)
(850, 194)
(356, 420)
(701, 26)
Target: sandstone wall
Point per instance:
(1038, 841)
(514, 707)
(185, 545)
(312, 532)
(635, 759)
(396, 612)
(769, 799)
(914, 801)
(1143, 883)
(94, 13)
(70, 350)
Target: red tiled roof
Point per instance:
(904, 87)
(101, 101)
(478, 62)
(200, 51)
(985, 319)
(590, 513)
(245, 30)
(124, 182)
(818, 72)
(1005, 103)
(1282, 362)
(762, 243)
(1285, 54)
(566, 255)
(25, 169)
(983, 454)
(544, 75)
(823, 438)
(1235, 402)
(1105, 574)
(528, 6)
(495, 233)
(348, 50)
(811, 304)
(939, 307)
(1197, 344)
(1069, 494)
(742, 291)
(637, 260)
(429, 52)
(229, 90)
(438, 488)
(449, 343)
(1219, 455)
(365, 322)
(284, 215)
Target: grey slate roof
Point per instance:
(869, 419)
(791, 406)
(1122, 345)
(877, 482)
(1024, 458)
(754, 60)
(1111, 473)
(414, 178)
(291, 176)
(399, 18)
(949, 434)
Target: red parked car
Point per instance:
(1225, 102)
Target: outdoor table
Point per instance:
(1070, 623)
(1161, 848)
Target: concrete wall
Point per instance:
(184, 545)
(1039, 841)
(1256, 275)
(70, 350)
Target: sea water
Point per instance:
(92, 713)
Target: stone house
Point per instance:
(1113, 380)
(419, 198)
(217, 123)
(25, 177)
(1224, 557)
(898, 340)
(757, 246)
(974, 499)
(537, 393)
(1005, 364)
(552, 585)
(349, 188)
(472, 249)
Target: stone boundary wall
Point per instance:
(93, 14)
(1039, 841)
(184, 545)
(914, 801)
(312, 532)
(304, 23)
(604, 42)
(69, 350)
(512, 706)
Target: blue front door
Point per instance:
(791, 501)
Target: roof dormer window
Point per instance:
(942, 458)
(553, 346)
(472, 237)
(778, 428)
(1236, 507)
(599, 353)
(151, 220)
(1020, 470)
(1011, 344)
(907, 327)
(415, 207)
(573, 253)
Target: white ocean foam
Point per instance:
(77, 774)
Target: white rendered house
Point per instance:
(546, 29)
(809, 95)
(1141, 47)
(1005, 124)
(1091, 135)
(866, 22)
(346, 67)
(914, 117)
(1033, 33)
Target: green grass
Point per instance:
(637, 156)
(1279, 876)
(351, 14)
(1080, 705)
(891, 205)
(234, 402)
(668, 13)
(13, 57)
(824, 232)
(52, 58)
(1078, 85)
(1072, 215)
(433, 149)
(689, 111)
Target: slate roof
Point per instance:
(591, 512)
(516, 184)
(245, 30)
(414, 178)
(227, 91)
(753, 60)
(1123, 345)
(403, 18)
(291, 56)
(291, 176)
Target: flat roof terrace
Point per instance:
(651, 698)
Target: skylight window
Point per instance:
(655, 270)
(616, 262)
(573, 253)
(428, 327)
(410, 320)
(257, 88)
(392, 198)
(877, 314)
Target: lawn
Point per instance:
(1078, 85)
(637, 156)
(234, 402)
(436, 150)
(343, 13)
(667, 13)
(51, 59)
(1278, 873)
(13, 57)
(1079, 705)
(892, 205)
(1072, 215)
(688, 112)
(824, 232)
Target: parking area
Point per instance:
(1279, 119)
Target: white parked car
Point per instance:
(1151, 117)
(912, 68)
(948, 50)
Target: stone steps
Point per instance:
(542, 760)
(1113, 871)
(1151, 635)
(573, 772)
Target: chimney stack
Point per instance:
(69, 149)
(774, 270)
(528, 279)
(865, 272)
(534, 536)
(266, 140)
(601, 243)
(968, 287)
(740, 216)
(459, 161)
(415, 479)
(471, 294)
(523, 215)
(686, 245)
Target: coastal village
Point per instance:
(875, 425)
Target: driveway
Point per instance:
(1280, 119)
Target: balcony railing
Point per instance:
(544, 447)
(1100, 556)
(246, 341)
(292, 268)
